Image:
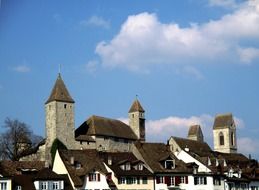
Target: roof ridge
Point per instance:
(60, 92)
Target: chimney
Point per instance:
(186, 149)
(46, 164)
(109, 160)
(72, 160)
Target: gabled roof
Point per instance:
(26, 181)
(60, 92)
(194, 130)
(197, 147)
(120, 158)
(136, 107)
(223, 121)
(47, 174)
(11, 168)
(155, 153)
(89, 160)
(101, 126)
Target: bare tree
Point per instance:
(16, 139)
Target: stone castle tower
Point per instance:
(137, 120)
(224, 133)
(195, 133)
(59, 110)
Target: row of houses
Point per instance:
(150, 166)
(104, 153)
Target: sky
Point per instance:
(187, 61)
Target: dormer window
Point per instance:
(169, 164)
(127, 166)
(78, 165)
(230, 172)
(94, 177)
(140, 166)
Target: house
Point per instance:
(128, 172)
(84, 168)
(105, 134)
(169, 172)
(24, 175)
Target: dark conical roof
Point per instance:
(194, 130)
(223, 121)
(136, 106)
(60, 92)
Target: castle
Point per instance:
(104, 153)
(111, 135)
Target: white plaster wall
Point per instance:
(60, 168)
(148, 186)
(184, 156)
(102, 184)
(8, 183)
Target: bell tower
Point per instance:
(59, 113)
(137, 120)
(224, 133)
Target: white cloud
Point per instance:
(248, 145)
(22, 69)
(144, 41)
(192, 71)
(248, 54)
(91, 66)
(96, 21)
(162, 129)
(223, 3)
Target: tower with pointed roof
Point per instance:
(137, 120)
(224, 133)
(195, 133)
(59, 110)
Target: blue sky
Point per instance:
(186, 60)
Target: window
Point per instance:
(182, 179)
(232, 139)
(169, 164)
(127, 166)
(3, 186)
(78, 165)
(65, 106)
(144, 180)
(254, 188)
(44, 185)
(134, 180)
(55, 185)
(159, 179)
(243, 186)
(122, 180)
(94, 177)
(221, 139)
(171, 181)
(200, 181)
(129, 180)
(216, 181)
(140, 166)
(19, 187)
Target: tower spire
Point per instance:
(59, 69)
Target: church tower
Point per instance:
(224, 133)
(195, 133)
(59, 110)
(137, 120)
